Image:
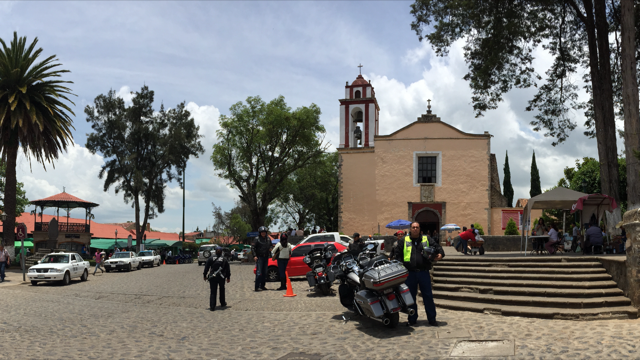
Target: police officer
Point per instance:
(410, 253)
(215, 263)
(261, 250)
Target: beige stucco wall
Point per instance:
(464, 177)
(358, 204)
(496, 219)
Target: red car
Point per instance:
(297, 267)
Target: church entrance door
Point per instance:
(429, 221)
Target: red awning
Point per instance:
(597, 200)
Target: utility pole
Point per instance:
(184, 186)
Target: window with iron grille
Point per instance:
(427, 169)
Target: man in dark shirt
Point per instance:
(261, 250)
(214, 263)
(357, 246)
(409, 252)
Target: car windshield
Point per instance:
(145, 253)
(56, 259)
(120, 255)
(203, 248)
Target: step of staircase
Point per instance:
(548, 277)
(530, 291)
(618, 312)
(553, 287)
(522, 270)
(535, 301)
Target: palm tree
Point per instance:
(33, 113)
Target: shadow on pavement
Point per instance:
(375, 328)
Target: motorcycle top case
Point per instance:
(385, 276)
(369, 302)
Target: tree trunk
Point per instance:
(630, 103)
(8, 227)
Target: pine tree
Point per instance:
(512, 228)
(506, 183)
(535, 178)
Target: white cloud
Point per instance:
(126, 95)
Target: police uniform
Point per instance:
(409, 252)
(214, 263)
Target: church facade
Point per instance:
(427, 171)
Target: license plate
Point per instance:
(112, 266)
(40, 276)
(387, 291)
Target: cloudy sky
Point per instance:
(214, 54)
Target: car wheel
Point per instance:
(66, 279)
(34, 283)
(129, 267)
(85, 275)
(139, 266)
(273, 274)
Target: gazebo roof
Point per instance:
(63, 201)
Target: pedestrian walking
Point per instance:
(261, 250)
(217, 271)
(5, 261)
(410, 252)
(282, 253)
(99, 259)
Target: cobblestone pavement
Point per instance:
(161, 313)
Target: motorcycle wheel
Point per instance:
(394, 320)
(325, 289)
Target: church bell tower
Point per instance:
(359, 114)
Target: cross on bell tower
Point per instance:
(359, 114)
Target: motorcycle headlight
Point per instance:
(306, 259)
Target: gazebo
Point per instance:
(71, 235)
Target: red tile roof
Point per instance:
(61, 199)
(98, 230)
(360, 81)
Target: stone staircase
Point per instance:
(553, 287)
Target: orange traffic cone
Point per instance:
(289, 288)
(164, 263)
(176, 262)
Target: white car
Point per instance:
(59, 267)
(149, 258)
(328, 237)
(125, 260)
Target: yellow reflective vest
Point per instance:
(408, 246)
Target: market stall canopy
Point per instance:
(157, 243)
(558, 198)
(399, 224)
(28, 243)
(594, 205)
(105, 244)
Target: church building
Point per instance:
(428, 171)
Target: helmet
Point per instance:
(429, 253)
(261, 229)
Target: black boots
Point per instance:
(283, 285)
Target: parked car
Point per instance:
(202, 259)
(125, 260)
(296, 267)
(59, 267)
(329, 237)
(149, 258)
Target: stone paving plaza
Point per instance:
(160, 313)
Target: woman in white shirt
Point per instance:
(282, 253)
(553, 238)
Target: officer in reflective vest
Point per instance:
(409, 252)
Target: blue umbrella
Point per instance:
(450, 227)
(399, 224)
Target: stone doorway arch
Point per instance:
(429, 220)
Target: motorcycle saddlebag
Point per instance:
(369, 302)
(405, 294)
(311, 279)
(385, 276)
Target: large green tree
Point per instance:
(34, 114)
(311, 196)
(506, 182)
(535, 189)
(143, 150)
(501, 37)
(21, 194)
(261, 144)
(585, 177)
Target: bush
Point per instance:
(512, 228)
(479, 228)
